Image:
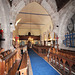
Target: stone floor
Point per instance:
(30, 68)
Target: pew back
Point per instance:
(7, 58)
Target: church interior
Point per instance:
(37, 37)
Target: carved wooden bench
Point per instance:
(65, 57)
(22, 69)
(7, 59)
(41, 49)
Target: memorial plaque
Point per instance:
(70, 26)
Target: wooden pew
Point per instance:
(1, 50)
(41, 49)
(5, 53)
(22, 69)
(65, 56)
(7, 59)
(67, 53)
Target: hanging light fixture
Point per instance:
(29, 33)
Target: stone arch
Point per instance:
(51, 9)
(63, 24)
(16, 9)
(5, 24)
(43, 3)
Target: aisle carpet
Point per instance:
(39, 65)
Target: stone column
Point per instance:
(11, 36)
(5, 24)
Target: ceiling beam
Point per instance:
(31, 23)
(34, 13)
(29, 28)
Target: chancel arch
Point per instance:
(33, 20)
(44, 4)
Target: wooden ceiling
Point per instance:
(61, 3)
(33, 14)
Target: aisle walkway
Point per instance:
(40, 66)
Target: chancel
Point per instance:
(37, 37)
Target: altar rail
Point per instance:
(64, 58)
(7, 59)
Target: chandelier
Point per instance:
(29, 33)
(30, 39)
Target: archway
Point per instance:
(37, 19)
(64, 22)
